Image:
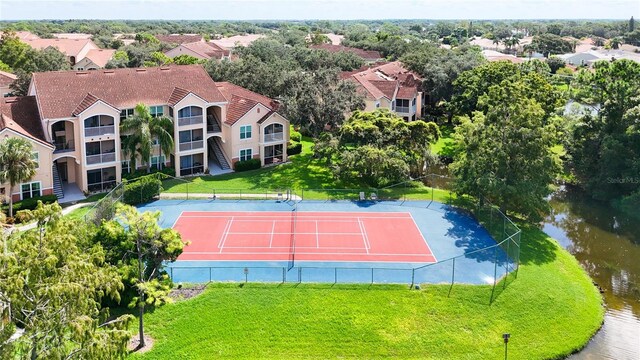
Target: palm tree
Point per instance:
(143, 128)
(16, 164)
(496, 42)
(615, 42)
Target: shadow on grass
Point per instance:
(535, 246)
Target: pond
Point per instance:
(607, 244)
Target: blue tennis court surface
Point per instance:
(449, 232)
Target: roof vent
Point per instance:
(109, 71)
(165, 68)
(10, 100)
(141, 70)
(81, 73)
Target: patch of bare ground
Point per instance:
(134, 344)
(184, 293)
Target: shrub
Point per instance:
(142, 190)
(294, 135)
(294, 148)
(245, 165)
(31, 204)
(143, 172)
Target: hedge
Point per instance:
(294, 148)
(245, 165)
(31, 204)
(143, 172)
(294, 135)
(141, 190)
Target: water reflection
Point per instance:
(607, 244)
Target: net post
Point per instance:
(210, 277)
(371, 276)
(453, 276)
(284, 275)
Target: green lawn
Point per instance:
(551, 309)
(302, 172)
(445, 142)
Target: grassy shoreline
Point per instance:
(551, 311)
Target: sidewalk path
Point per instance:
(65, 211)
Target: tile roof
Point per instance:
(26, 35)
(382, 79)
(69, 47)
(100, 57)
(60, 93)
(237, 40)
(21, 115)
(241, 101)
(407, 92)
(179, 39)
(388, 88)
(364, 54)
(87, 102)
(206, 50)
(6, 78)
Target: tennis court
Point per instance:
(303, 236)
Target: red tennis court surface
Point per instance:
(317, 236)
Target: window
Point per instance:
(36, 158)
(245, 132)
(99, 125)
(189, 111)
(191, 164)
(156, 111)
(157, 162)
(30, 190)
(377, 104)
(101, 179)
(273, 132)
(125, 114)
(245, 154)
(126, 166)
(273, 154)
(413, 102)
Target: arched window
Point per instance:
(99, 125)
(190, 115)
(273, 132)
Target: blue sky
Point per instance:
(315, 9)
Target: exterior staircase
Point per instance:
(217, 151)
(213, 125)
(57, 183)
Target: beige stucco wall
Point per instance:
(181, 50)
(43, 172)
(189, 100)
(98, 108)
(85, 64)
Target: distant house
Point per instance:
(5, 81)
(78, 36)
(367, 55)
(75, 50)
(95, 59)
(582, 59)
(390, 86)
(26, 35)
(228, 43)
(199, 49)
(493, 55)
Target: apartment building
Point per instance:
(79, 114)
(81, 51)
(390, 86)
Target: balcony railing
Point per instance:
(99, 130)
(190, 120)
(67, 146)
(273, 137)
(196, 169)
(273, 159)
(406, 109)
(101, 186)
(191, 145)
(101, 158)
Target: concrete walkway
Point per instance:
(65, 211)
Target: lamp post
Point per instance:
(506, 337)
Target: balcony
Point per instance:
(190, 120)
(67, 146)
(273, 137)
(191, 145)
(406, 109)
(101, 158)
(99, 130)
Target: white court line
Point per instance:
(297, 233)
(317, 236)
(288, 247)
(364, 235)
(305, 253)
(423, 239)
(336, 218)
(273, 229)
(178, 218)
(226, 233)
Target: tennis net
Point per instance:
(292, 246)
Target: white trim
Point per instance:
(94, 104)
(186, 96)
(37, 153)
(248, 111)
(240, 154)
(30, 188)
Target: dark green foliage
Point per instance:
(550, 44)
(245, 165)
(142, 190)
(555, 64)
(294, 148)
(31, 204)
(294, 135)
(605, 150)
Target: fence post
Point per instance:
(210, 273)
(371, 276)
(413, 277)
(506, 266)
(495, 272)
(453, 275)
(299, 275)
(284, 275)
(171, 273)
(335, 275)
(187, 191)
